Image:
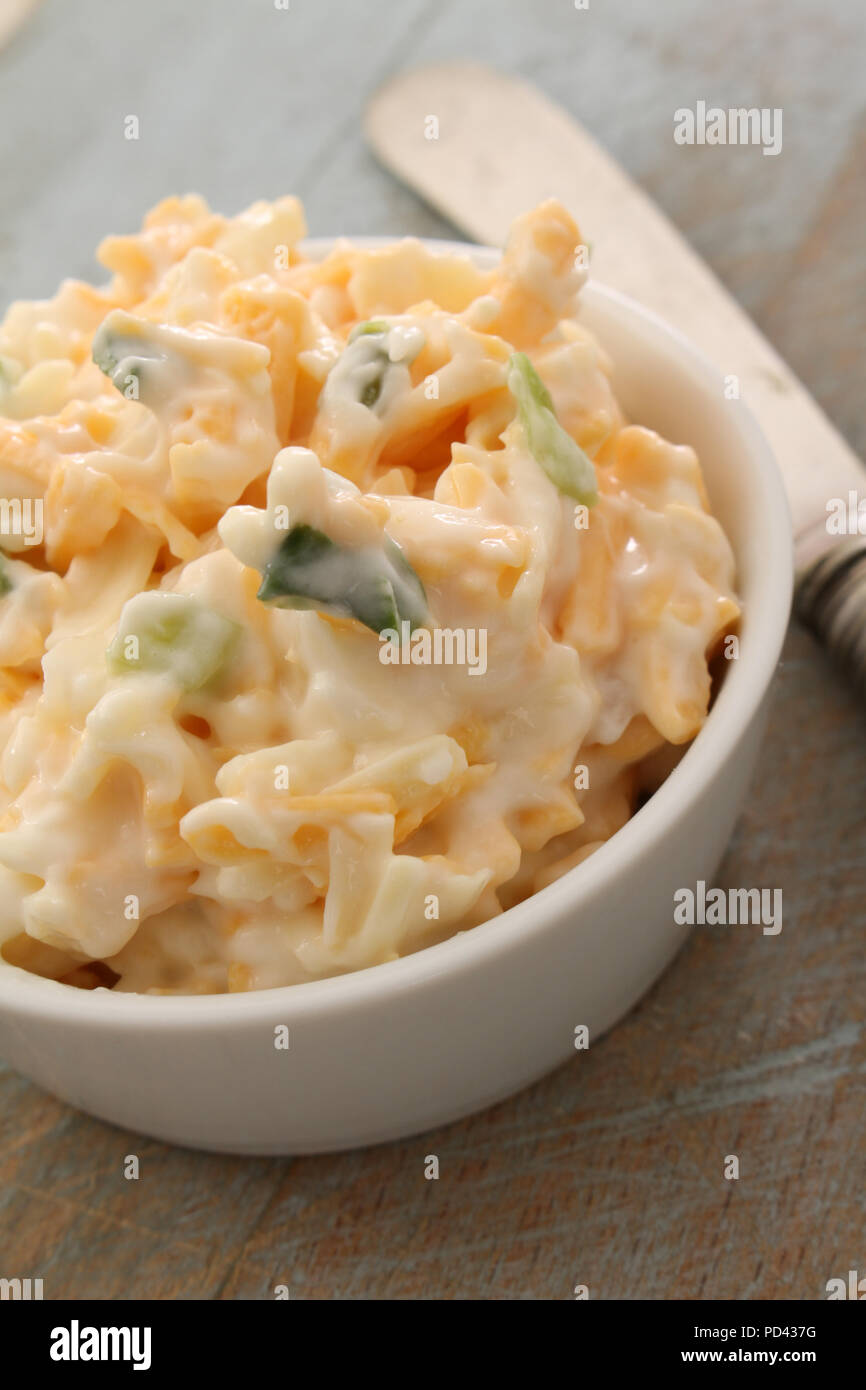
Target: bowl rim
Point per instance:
(737, 704)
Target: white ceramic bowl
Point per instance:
(395, 1049)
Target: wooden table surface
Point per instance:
(610, 1172)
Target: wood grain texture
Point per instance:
(609, 1172)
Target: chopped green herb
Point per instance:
(5, 581)
(551, 446)
(378, 587)
(372, 389)
(124, 358)
(373, 365)
(366, 363)
(171, 633)
(362, 330)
